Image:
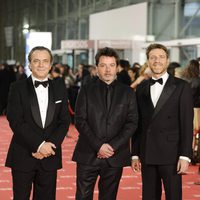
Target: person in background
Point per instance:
(198, 150)
(55, 73)
(20, 74)
(69, 77)
(191, 74)
(82, 71)
(172, 68)
(132, 74)
(39, 118)
(144, 74)
(92, 76)
(198, 59)
(136, 68)
(178, 72)
(162, 145)
(106, 118)
(7, 76)
(122, 75)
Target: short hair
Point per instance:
(107, 51)
(40, 48)
(156, 46)
(56, 70)
(124, 63)
(192, 69)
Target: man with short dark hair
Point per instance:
(106, 118)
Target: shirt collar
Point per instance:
(164, 77)
(35, 79)
(106, 85)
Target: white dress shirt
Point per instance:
(42, 97)
(156, 89)
(42, 94)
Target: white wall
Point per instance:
(121, 23)
(34, 39)
(126, 23)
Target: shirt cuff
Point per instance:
(40, 146)
(134, 158)
(185, 158)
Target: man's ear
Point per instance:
(29, 67)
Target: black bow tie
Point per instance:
(153, 81)
(43, 83)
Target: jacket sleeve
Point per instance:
(186, 121)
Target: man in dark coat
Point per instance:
(106, 118)
(39, 118)
(163, 141)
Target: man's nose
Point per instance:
(40, 64)
(107, 68)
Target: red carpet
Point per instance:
(130, 185)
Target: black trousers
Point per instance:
(43, 182)
(108, 184)
(152, 178)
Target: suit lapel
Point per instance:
(51, 105)
(34, 103)
(100, 95)
(116, 93)
(147, 96)
(144, 98)
(166, 93)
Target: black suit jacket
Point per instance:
(164, 132)
(24, 118)
(96, 126)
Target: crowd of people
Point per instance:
(126, 115)
(8, 74)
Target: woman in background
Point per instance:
(191, 74)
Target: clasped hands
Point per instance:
(46, 150)
(106, 151)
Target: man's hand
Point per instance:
(105, 151)
(136, 165)
(47, 149)
(182, 166)
(38, 155)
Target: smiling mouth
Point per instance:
(157, 64)
(41, 70)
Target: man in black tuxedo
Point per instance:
(38, 116)
(163, 141)
(106, 118)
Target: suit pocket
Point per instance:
(59, 101)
